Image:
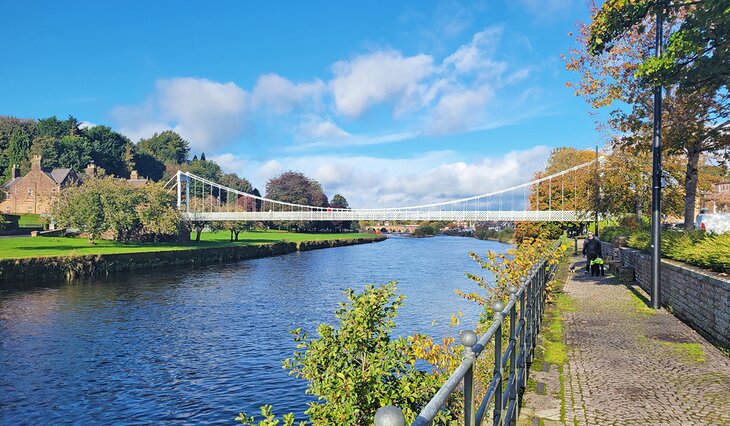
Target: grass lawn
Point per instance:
(23, 247)
(30, 220)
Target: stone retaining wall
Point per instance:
(54, 269)
(700, 298)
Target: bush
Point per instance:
(356, 367)
(694, 247)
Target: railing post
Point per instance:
(469, 339)
(535, 289)
(523, 346)
(497, 307)
(389, 416)
(513, 393)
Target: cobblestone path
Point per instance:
(629, 365)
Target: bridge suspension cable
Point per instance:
(201, 199)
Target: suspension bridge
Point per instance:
(553, 198)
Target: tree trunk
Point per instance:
(237, 232)
(231, 235)
(639, 212)
(197, 234)
(690, 189)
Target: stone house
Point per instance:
(35, 192)
(718, 201)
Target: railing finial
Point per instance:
(498, 306)
(468, 338)
(389, 416)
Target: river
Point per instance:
(200, 345)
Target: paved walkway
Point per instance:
(629, 365)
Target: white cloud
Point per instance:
(86, 125)
(279, 95)
(460, 111)
(476, 55)
(206, 113)
(377, 77)
(320, 129)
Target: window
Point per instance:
(7, 195)
(30, 192)
(30, 209)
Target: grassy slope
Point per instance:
(50, 246)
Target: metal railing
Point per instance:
(503, 393)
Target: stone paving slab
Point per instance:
(628, 365)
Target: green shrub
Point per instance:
(694, 247)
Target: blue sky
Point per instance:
(388, 104)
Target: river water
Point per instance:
(190, 346)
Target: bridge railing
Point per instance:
(524, 311)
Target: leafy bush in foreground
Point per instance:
(358, 367)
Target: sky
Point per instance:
(387, 103)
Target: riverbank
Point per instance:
(59, 259)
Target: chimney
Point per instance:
(36, 162)
(91, 168)
(16, 171)
(134, 175)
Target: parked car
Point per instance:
(719, 223)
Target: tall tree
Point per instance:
(8, 126)
(695, 122)
(167, 147)
(108, 149)
(18, 148)
(296, 188)
(56, 128)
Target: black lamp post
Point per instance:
(656, 180)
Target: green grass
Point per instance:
(640, 306)
(30, 220)
(691, 352)
(15, 248)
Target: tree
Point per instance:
(296, 188)
(168, 147)
(697, 50)
(55, 128)
(157, 212)
(205, 169)
(108, 149)
(695, 122)
(202, 156)
(340, 202)
(8, 126)
(74, 152)
(18, 147)
(148, 166)
(119, 201)
(81, 207)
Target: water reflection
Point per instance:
(200, 345)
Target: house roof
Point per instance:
(12, 182)
(59, 175)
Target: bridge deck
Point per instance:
(393, 215)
